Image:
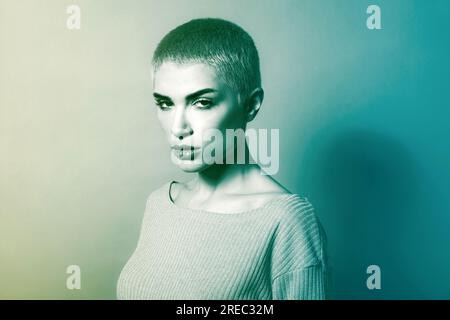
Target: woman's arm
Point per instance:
(299, 269)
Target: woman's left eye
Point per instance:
(203, 103)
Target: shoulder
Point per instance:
(299, 236)
(297, 217)
(295, 210)
(158, 194)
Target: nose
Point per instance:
(180, 127)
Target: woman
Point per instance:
(232, 232)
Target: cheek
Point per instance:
(232, 118)
(222, 117)
(164, 120)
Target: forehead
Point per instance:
(174, 79)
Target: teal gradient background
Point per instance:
(364, 119)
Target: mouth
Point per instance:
(185, 152)
(184, 147)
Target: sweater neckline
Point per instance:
(239, 214)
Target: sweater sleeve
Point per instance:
(298, 257)
(303, 284)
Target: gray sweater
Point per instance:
(272, 252)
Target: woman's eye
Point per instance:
(163, 104)
(203, 103)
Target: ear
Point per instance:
(254, 102)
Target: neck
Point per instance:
(224, 178)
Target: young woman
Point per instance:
(232, 232)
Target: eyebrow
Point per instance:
(189, 96)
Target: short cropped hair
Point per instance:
(218, 43)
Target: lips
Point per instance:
(185, 152)
(184, 147)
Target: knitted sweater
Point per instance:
(272, 252)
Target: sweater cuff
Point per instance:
(301, 284)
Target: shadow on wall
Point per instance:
(368, 193)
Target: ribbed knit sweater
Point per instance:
(272, 252)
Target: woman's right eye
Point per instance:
(163, 105)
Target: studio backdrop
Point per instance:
(359, 91)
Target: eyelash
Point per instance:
(209, 103)
(161, 103)
(168, 104)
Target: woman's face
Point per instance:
(192, 99)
